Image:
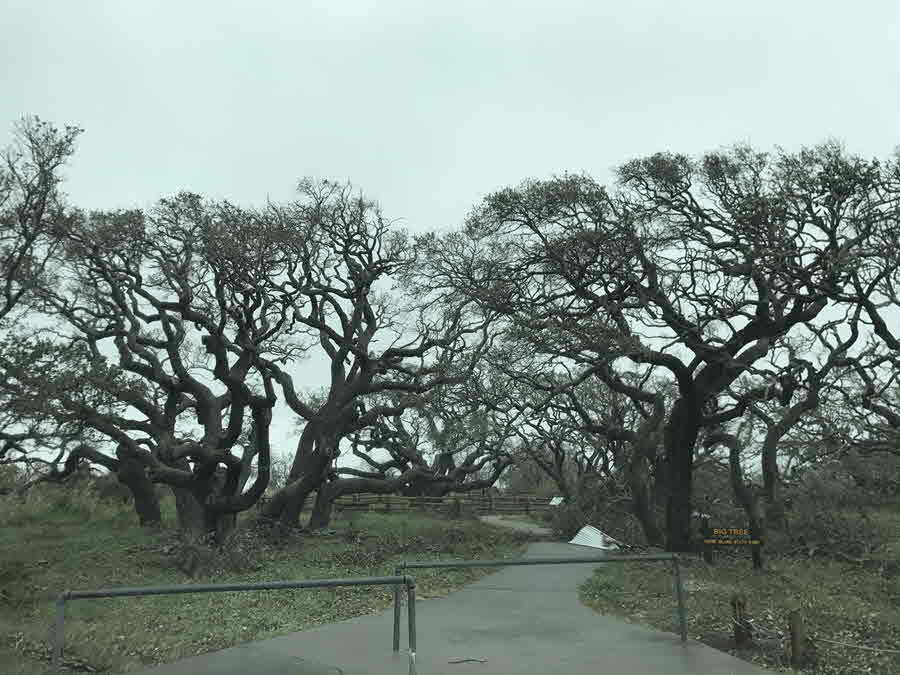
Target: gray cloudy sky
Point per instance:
(429, 106)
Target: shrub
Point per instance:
(610, 513)
(71, 500)
(108, 488)
(566, 520)
(877, 477)
(830, 532)
(828, 516)
(10, 478)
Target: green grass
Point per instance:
(55, 543)
(840, 601)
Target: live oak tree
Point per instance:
(433, 449)
(33, 441)
(160, 303)
(605, 426)
(692, 267)
(870, 394)
(377, 338)
(808, 373)
(873, 374)
(32, 209)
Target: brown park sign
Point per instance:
(730, 536)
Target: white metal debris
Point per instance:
(591, 536)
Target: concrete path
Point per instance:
(518, 525)
(520, 621)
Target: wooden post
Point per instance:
(743, 636)
(797, 631)
(707, 548)
(756, 550)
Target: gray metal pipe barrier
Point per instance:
(58, 634)
(655, 557)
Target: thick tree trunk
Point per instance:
(747, 500)
(306, 447)
(423, 487)
(680, 440)
(742, 492)
(131, 473)
(642, 506)
(198, 520)
(192, 519)
(637, 474)
(244, 476)
(313, 478)
(288, 502)
(323, 508)
(307, 473)
(775, 515)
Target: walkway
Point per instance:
(520, 621)
(518, 525)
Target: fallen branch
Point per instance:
(871, 649)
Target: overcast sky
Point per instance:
(427, 106)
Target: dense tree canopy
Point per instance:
(613, 334)
(697, 268)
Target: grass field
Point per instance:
(842, 602)
(56, 542)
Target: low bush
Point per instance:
(612, 516)
(829, 514)
(566, 519)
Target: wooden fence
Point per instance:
(514, 504)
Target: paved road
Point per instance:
(521, 620)
(518, 525)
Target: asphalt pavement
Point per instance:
(520, 620)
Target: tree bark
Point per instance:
(132, 474)
(307, 473)
(747, 500)
(197, 519)
(680, 439)
(642, 506)
(775, 512)
(288, 502)
(246, 458)
(322, 509)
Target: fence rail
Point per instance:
(517, 504)
(58, 632)
(655, 557)
(398, 581)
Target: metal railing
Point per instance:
(656, 557)
(58, 634)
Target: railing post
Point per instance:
(411, 615)
(397, 573)
(59, 636)
(679, 595)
